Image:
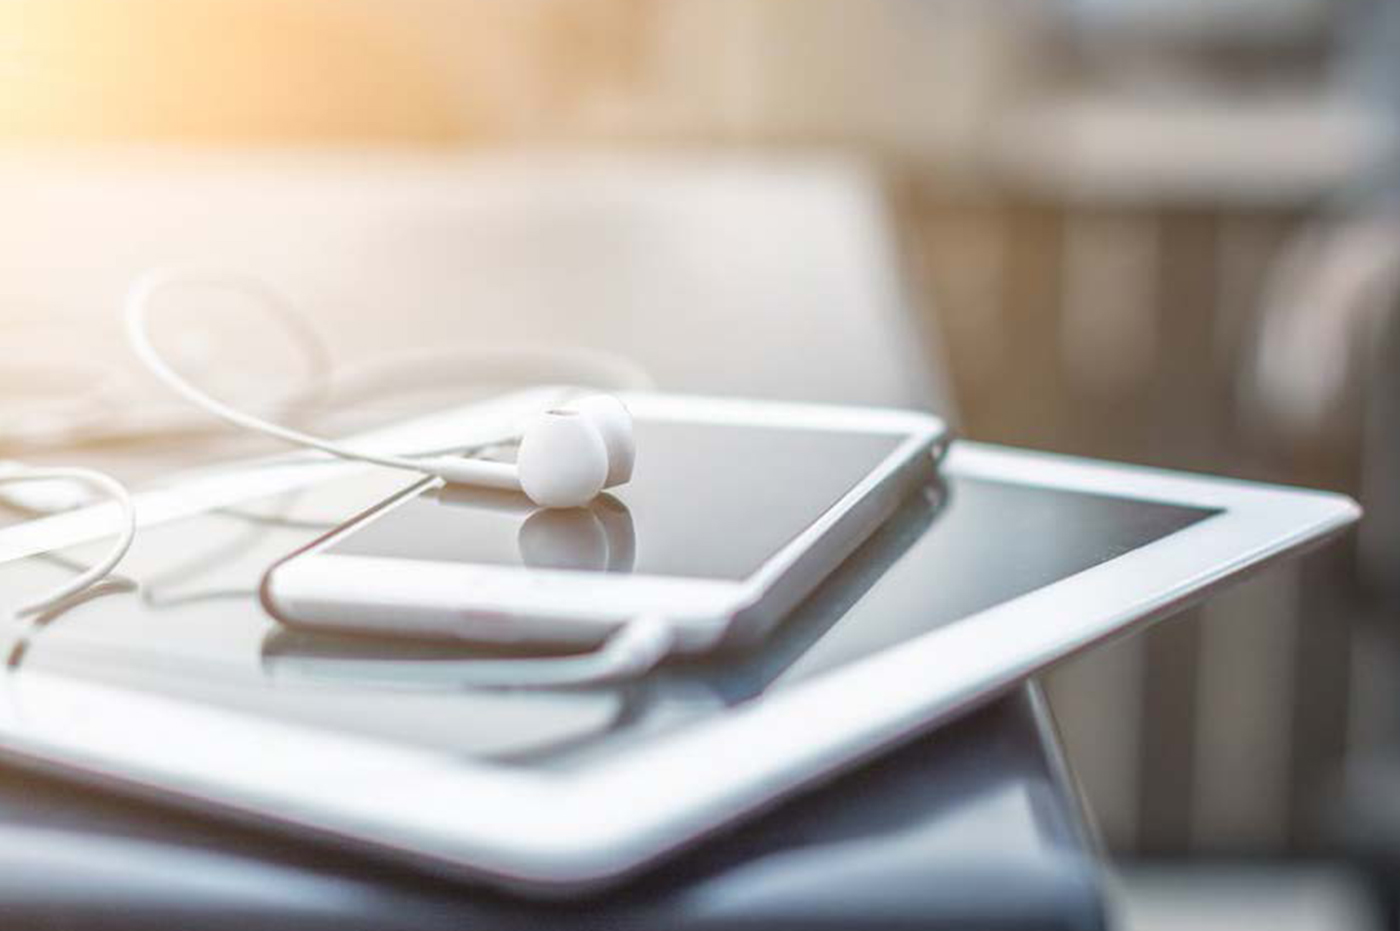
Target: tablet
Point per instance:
(172, 681)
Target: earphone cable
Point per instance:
(126, 532)
(150, 284)
(137, 307)
(630, 652)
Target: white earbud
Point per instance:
(614, 422)
(566, 456)
(563, 460)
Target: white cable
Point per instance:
(137, 308)
(98, 413)
(15, 472)
(404, 371)
(630, 652)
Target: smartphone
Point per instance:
(736, 511)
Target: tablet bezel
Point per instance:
(560, 833)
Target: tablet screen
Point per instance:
(186, 622)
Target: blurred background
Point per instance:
(1161, 231)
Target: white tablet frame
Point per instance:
(565, 832)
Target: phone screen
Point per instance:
(709, 501)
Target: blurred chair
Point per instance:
(1326, 375)
(1145, 193)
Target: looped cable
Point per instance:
(152, 283)
(137, 310)
(631, 651)
(16, 472)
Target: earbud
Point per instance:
(566, 456)
(569, 455)
(563, 460)
(614, 423)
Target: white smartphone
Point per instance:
(736, 511)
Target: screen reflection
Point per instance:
(601, 537)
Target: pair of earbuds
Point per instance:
(565, 456)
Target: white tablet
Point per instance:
(176, 683)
